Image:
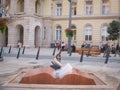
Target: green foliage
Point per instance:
(113, 30)
(3, 29)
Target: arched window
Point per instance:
(58, 33)
(105, 6)
(88, 33)
(89, 7)
(37, 6)
(20, 6)
(104, 33)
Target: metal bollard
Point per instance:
(81, 58)
(1, 56)
(107, 55)
(88, 54)
(60, 51)
(1, 52)
(23, 50)
(37, 56)
(9, 50)
(70, 51)
(54, 50)
(18, 53)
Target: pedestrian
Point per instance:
(117, 50)
(113, 49)
(73, 48)
(58, 46)
(105, 49)
(56, 62)
(82, 46)
(63, 46)
(19, 44)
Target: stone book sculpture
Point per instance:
(45, 75)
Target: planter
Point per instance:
(68, 32)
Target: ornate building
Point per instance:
(42, 22)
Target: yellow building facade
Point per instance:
(42, 22)
(90, 18)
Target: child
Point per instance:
(56, 62)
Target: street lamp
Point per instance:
(70, 17)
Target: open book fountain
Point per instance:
(65, 76)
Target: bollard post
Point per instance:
(0, 53)
(70, 51)
(60, 51)
(9, 50)
(107, 55)
(1, 56)
(88, 54)
(81, 58)
(54, 50)
(18, 53)
(23, 50)
(37, 56)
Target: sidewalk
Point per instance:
(109, 72)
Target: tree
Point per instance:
(113, 30)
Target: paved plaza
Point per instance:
(109, 73)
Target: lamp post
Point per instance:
(70, 17)
(119, 34)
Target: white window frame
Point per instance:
(58, 33)
(105, 7)
(58, 9)
(104, 33)
(88, 8)
(88, 33)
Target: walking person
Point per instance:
(117, 50)
(63, 46)
(19, 44)
(105, 49)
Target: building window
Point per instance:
(88, 7)
(37, 7)
(88, 33)
(105, 6)
(58, 9)
(20, 6)
(74, 8)
(58, 33)
(104, 33)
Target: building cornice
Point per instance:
(81, 17)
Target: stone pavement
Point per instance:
(109, 73)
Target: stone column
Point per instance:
(26, 35)
(31, 37)
(47, 41)
(12, 7)
(12, 36)
(29, 7)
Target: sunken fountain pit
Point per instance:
(43, 78)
